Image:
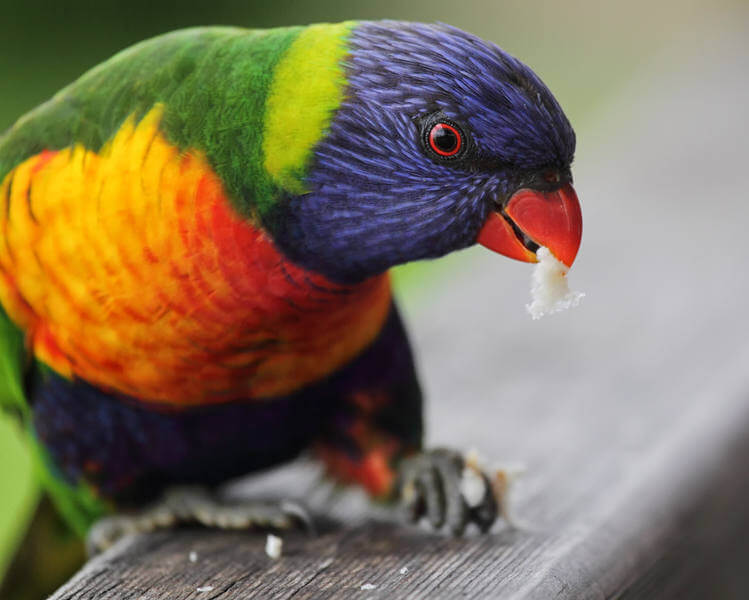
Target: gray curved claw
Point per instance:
(440, 485)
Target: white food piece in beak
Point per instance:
(550, 292)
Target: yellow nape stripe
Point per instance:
(307, 88)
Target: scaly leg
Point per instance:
(196, 505)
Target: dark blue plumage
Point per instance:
(131, 452)
(376, 199)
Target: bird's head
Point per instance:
(438, 140)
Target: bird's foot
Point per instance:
(196, 505)
(451, 489)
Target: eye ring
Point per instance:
(445, 139)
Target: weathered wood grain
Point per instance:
(630, 413)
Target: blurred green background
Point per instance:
(584, 50)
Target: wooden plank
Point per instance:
(630, 413)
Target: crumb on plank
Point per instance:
(273, 546)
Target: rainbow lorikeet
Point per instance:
(195, 243)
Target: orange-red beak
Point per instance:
(532, 217)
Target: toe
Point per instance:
(409, 493)
(432, 488)
(485, 513)
(449, 465)
(297, 514)
(105, 532)
(412, 501)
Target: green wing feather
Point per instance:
(12, 361)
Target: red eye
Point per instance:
(445, 139)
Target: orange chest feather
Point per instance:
(128, 268)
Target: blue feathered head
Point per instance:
(442, 140)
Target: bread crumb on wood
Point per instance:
(550, 292)
(368, 586)
(273, 546)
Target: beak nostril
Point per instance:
(552, 177)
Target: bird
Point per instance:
(196, 239)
